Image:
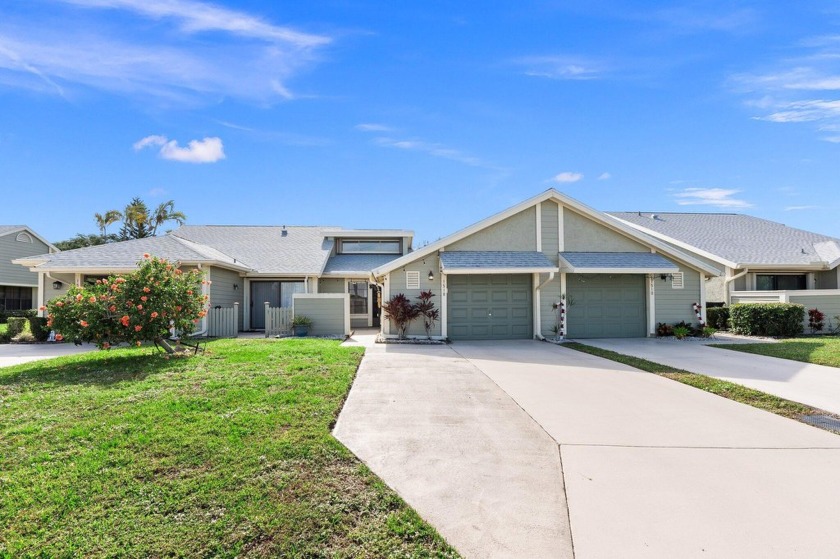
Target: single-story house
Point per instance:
(546, 266)
(761, 260)
(19, 288)
(322, 272)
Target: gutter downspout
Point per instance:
(539, 287)
(729, 279)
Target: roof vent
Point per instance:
(803, 251)
(284, 232)
(654, 217)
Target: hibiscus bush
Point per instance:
(145, 305)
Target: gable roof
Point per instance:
(616, 262)
(550, 194)
(126, 254)
(266, 249)
(738, 241)
(9, 229)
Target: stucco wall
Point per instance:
(675, 305)
(518, 232)
(581, 234)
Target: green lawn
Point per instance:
(724, 388)
(822, 350)
(226, 454)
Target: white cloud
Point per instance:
(566, 177)
(799, 208)
(561, 67)
(373, 127)
(435, 150)
(604, 176)
(718, 197)
(167, 62)
(158, 192)
(208, 150)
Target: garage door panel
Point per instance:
(606, 306)
(489, 306)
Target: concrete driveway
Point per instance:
(814, 385)
(468, 435)
(15, 354)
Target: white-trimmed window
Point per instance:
(412, 280)
(677, 281)
(368, 246)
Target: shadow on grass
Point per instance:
(101, 369)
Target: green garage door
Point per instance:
(606, 306)
(489, 307)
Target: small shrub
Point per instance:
(5, 337)
(426, 309)
(301, 320)
(38, 327)
(664, 330)
(767, 319)
(16, 325)
(401, 312)
(708, 331)
(718, 317)
(689, 327)
(816, 320)
(680, 332)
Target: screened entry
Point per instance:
(276, 293)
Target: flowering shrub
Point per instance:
(141, 306)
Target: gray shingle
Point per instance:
(301, 251)
(5, 229)
(477, 259)
(357, 263)
(618, 260)
(741, 239)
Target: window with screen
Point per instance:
(778, 282)
(358, 297)
(15, 298)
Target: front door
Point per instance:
(262, 291)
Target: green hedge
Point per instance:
(718, 317)
(38, 327)
(16, 325)
(767, 319)
(6, 315)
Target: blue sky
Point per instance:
(428, 115)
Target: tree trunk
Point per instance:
(167, 347)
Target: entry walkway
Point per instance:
(814, 385)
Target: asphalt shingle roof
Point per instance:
(740, 239)
(126, 254)
(618, 260)
(4, 229)
(349, 263)
(266, 249)
(478, 259)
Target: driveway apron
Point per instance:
(806, 383)
(459, 450)
(657, 469)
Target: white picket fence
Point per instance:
(223, 322)
(278, 321)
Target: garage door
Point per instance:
(489, 307)
(604, 306)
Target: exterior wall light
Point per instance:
(431, 276)
(57, 284)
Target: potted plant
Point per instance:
(301, 325)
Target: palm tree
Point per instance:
(109, 218)
(166, 212)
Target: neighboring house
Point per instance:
(762, 260)
(328, 268)
(19, 288)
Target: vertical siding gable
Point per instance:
(581, 234)
(517, 232)
(549, 232)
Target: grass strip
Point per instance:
(819, 350)
(724, 388)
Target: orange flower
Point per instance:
(59, 304)
(137, 344)
(189, 292)
(112, 308)
(58, 337)
(124, 320)
(119, 280)
(106, 345)
(83, 323)
(139, 307)
(138, 328)
(42, 308)
(202, 314)
(178, 308)
(144, 298)
(79, 297)
(154, 314)
(145, 255)
(178, 272)
(146, 289)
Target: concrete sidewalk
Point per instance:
(657, 469)
(15, 354)
(459, 450)
(814, 385)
